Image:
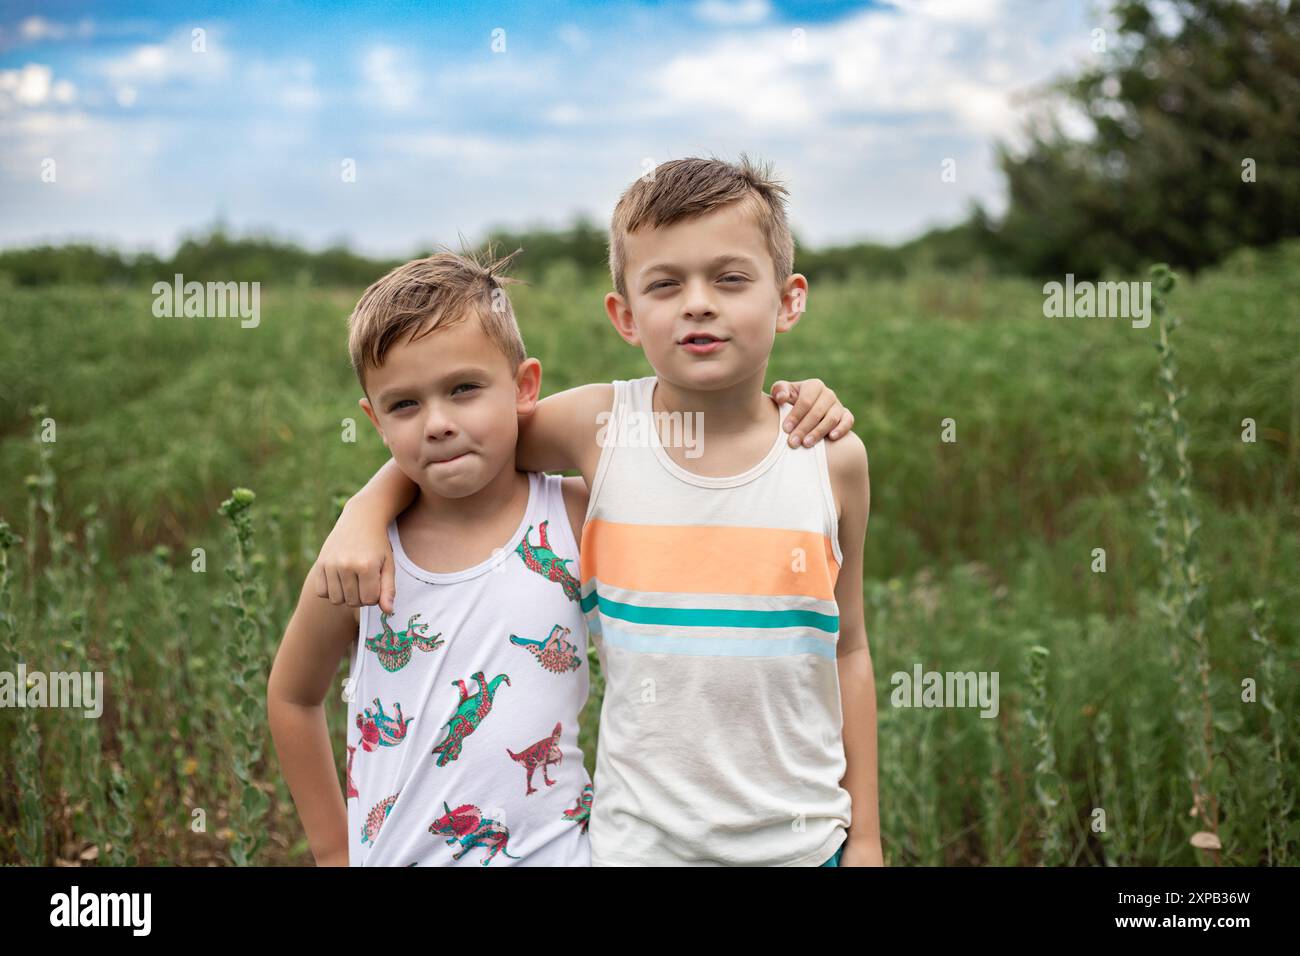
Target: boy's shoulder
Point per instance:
(598, 395)
(571, 437)
(573, 410)
(846, 460)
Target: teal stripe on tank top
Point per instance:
(710, 617)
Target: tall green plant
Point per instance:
(248, 666)
(1048, 786)
(1281, 828)
(1182, 587)
(30, 840)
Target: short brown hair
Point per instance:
(687, 188)
(439, 291)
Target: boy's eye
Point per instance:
(396, 406)
(733, 278)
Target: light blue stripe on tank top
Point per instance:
(716, 646)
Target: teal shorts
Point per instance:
(835, 860)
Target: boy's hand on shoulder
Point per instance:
(817, 412)
(355, 565)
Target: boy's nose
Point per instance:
(699, 300)
(701, 308)
(439, 424)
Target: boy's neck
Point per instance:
(508, 488)
(727, 411)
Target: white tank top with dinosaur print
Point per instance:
(462, 726)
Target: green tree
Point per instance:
(1193, 103)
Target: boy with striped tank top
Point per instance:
(721, 567)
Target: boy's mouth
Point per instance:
(702, 344)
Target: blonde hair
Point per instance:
(688, 188)
(439, 291)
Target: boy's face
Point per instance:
(447, 407)
(709, 276)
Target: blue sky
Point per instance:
(461, 116)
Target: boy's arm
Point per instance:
(355, 565)
(314, 642)
(847, 462)
(560, 432)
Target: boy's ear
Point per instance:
(370, 413)
(794, 301)
(528, 386)
(620, 314)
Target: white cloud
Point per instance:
(289, 84)
(36, 29)
(953, 11)
(490, 75)
(574, 38)
(89, 151)
(39, 29)
(472, 150)
(747, 77)
(928, 57)
(391, 83)
(563, 114)
(733, 12)
(33, 85)
(286, 83)
(175, 62)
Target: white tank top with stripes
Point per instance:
(711, 601)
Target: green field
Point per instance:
(977, 551)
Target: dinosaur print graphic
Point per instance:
(375, 819)
(469, 714)
(467, 826)
(581, 814)
(381, 730)
(541, 754)
(555, 654)
(547, 563)
(394, 647)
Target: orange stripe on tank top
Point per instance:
(708, 559)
